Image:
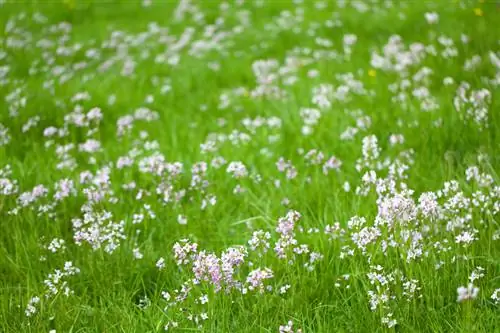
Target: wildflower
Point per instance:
(255, 279)
(137, 253)
(203, 299)
(144, 302)
(476, 274)
(432, 17)
(170, 324)
(160, 264)
(260, 241)
(466, 238)
(283, 289)
(447, 81)
(467, 293)
(473, 104)
(56, 244)
(31, 307)
(389, 321)
(181, 219)
(184, 251)
(288, 328)
(395, 139)
(166, 295)
(496, 296)
(237, 169)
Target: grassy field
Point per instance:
(249, 166)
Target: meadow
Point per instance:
(249, 166)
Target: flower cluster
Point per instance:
(271, 147)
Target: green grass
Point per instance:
(109, 287)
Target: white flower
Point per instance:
(465, 238)
(237, 169)
(160, 264)
(432, 17)
(166, 295)
(496, 296)
(395, 139)
(181, 219)
(203, 299)
(137, 253)
(448, 81)
(466, 293)
(31, 308)
(284, 289)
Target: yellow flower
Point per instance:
(372, 72)
(478, 11)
